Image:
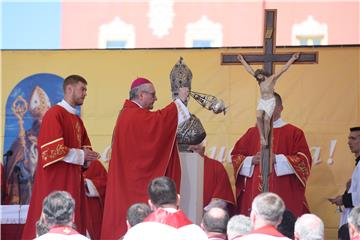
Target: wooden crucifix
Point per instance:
(269, 58)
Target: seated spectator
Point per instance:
(309, 227)
(137, 213)
(238, 226)
(266, 214)
(152, 231)
(286, 227)
(214, 223)
(354, 223)
(164, 201)
(57, 216)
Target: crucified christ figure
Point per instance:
(266, 103)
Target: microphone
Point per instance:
(9, 153)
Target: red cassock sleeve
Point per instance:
(143, 147)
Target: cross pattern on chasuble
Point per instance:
(268, 59)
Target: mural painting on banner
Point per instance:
(25, 107)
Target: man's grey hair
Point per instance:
(134, 93)
(137, 212)
(215, 220)
(58, 209)
(238, 225)
(309, 227)
(270, 207)
(354, 218)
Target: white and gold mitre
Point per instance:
(39, 102)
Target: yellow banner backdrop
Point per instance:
(323, 99)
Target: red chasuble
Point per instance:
(288, 140)
(60, 130)
(143, 147)
(95, 205)
(216, 183)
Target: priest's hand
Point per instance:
(184, 94)
(256, 159)
(90, 155)
(336, 200)
(200, 149)
(272, 159)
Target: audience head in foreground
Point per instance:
(162, 193)
(267, 209)
(266, 214)
(309, 227)
(238, 226)
(214, 222)
(166, 221)
(58, 209)
(57, 217)
(137, 213)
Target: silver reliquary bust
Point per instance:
(190, 132)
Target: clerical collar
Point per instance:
(357, 160)
(279, 123)
(137, 104)
(67, 106)
(170, 209)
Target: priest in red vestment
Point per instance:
(143, 147)
(291, 169)
(217, 187)
(64, 149)
(95, 186)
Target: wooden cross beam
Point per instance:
(269, 58)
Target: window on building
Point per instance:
(310, 32)
(201, 43)
(310, 40)
(117, 34)
(204, 33)
(115, 44)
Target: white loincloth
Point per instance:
(267, 106)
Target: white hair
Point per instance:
(238, 225)
(309, 227)
(269, 206)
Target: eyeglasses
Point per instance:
(153, 94)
